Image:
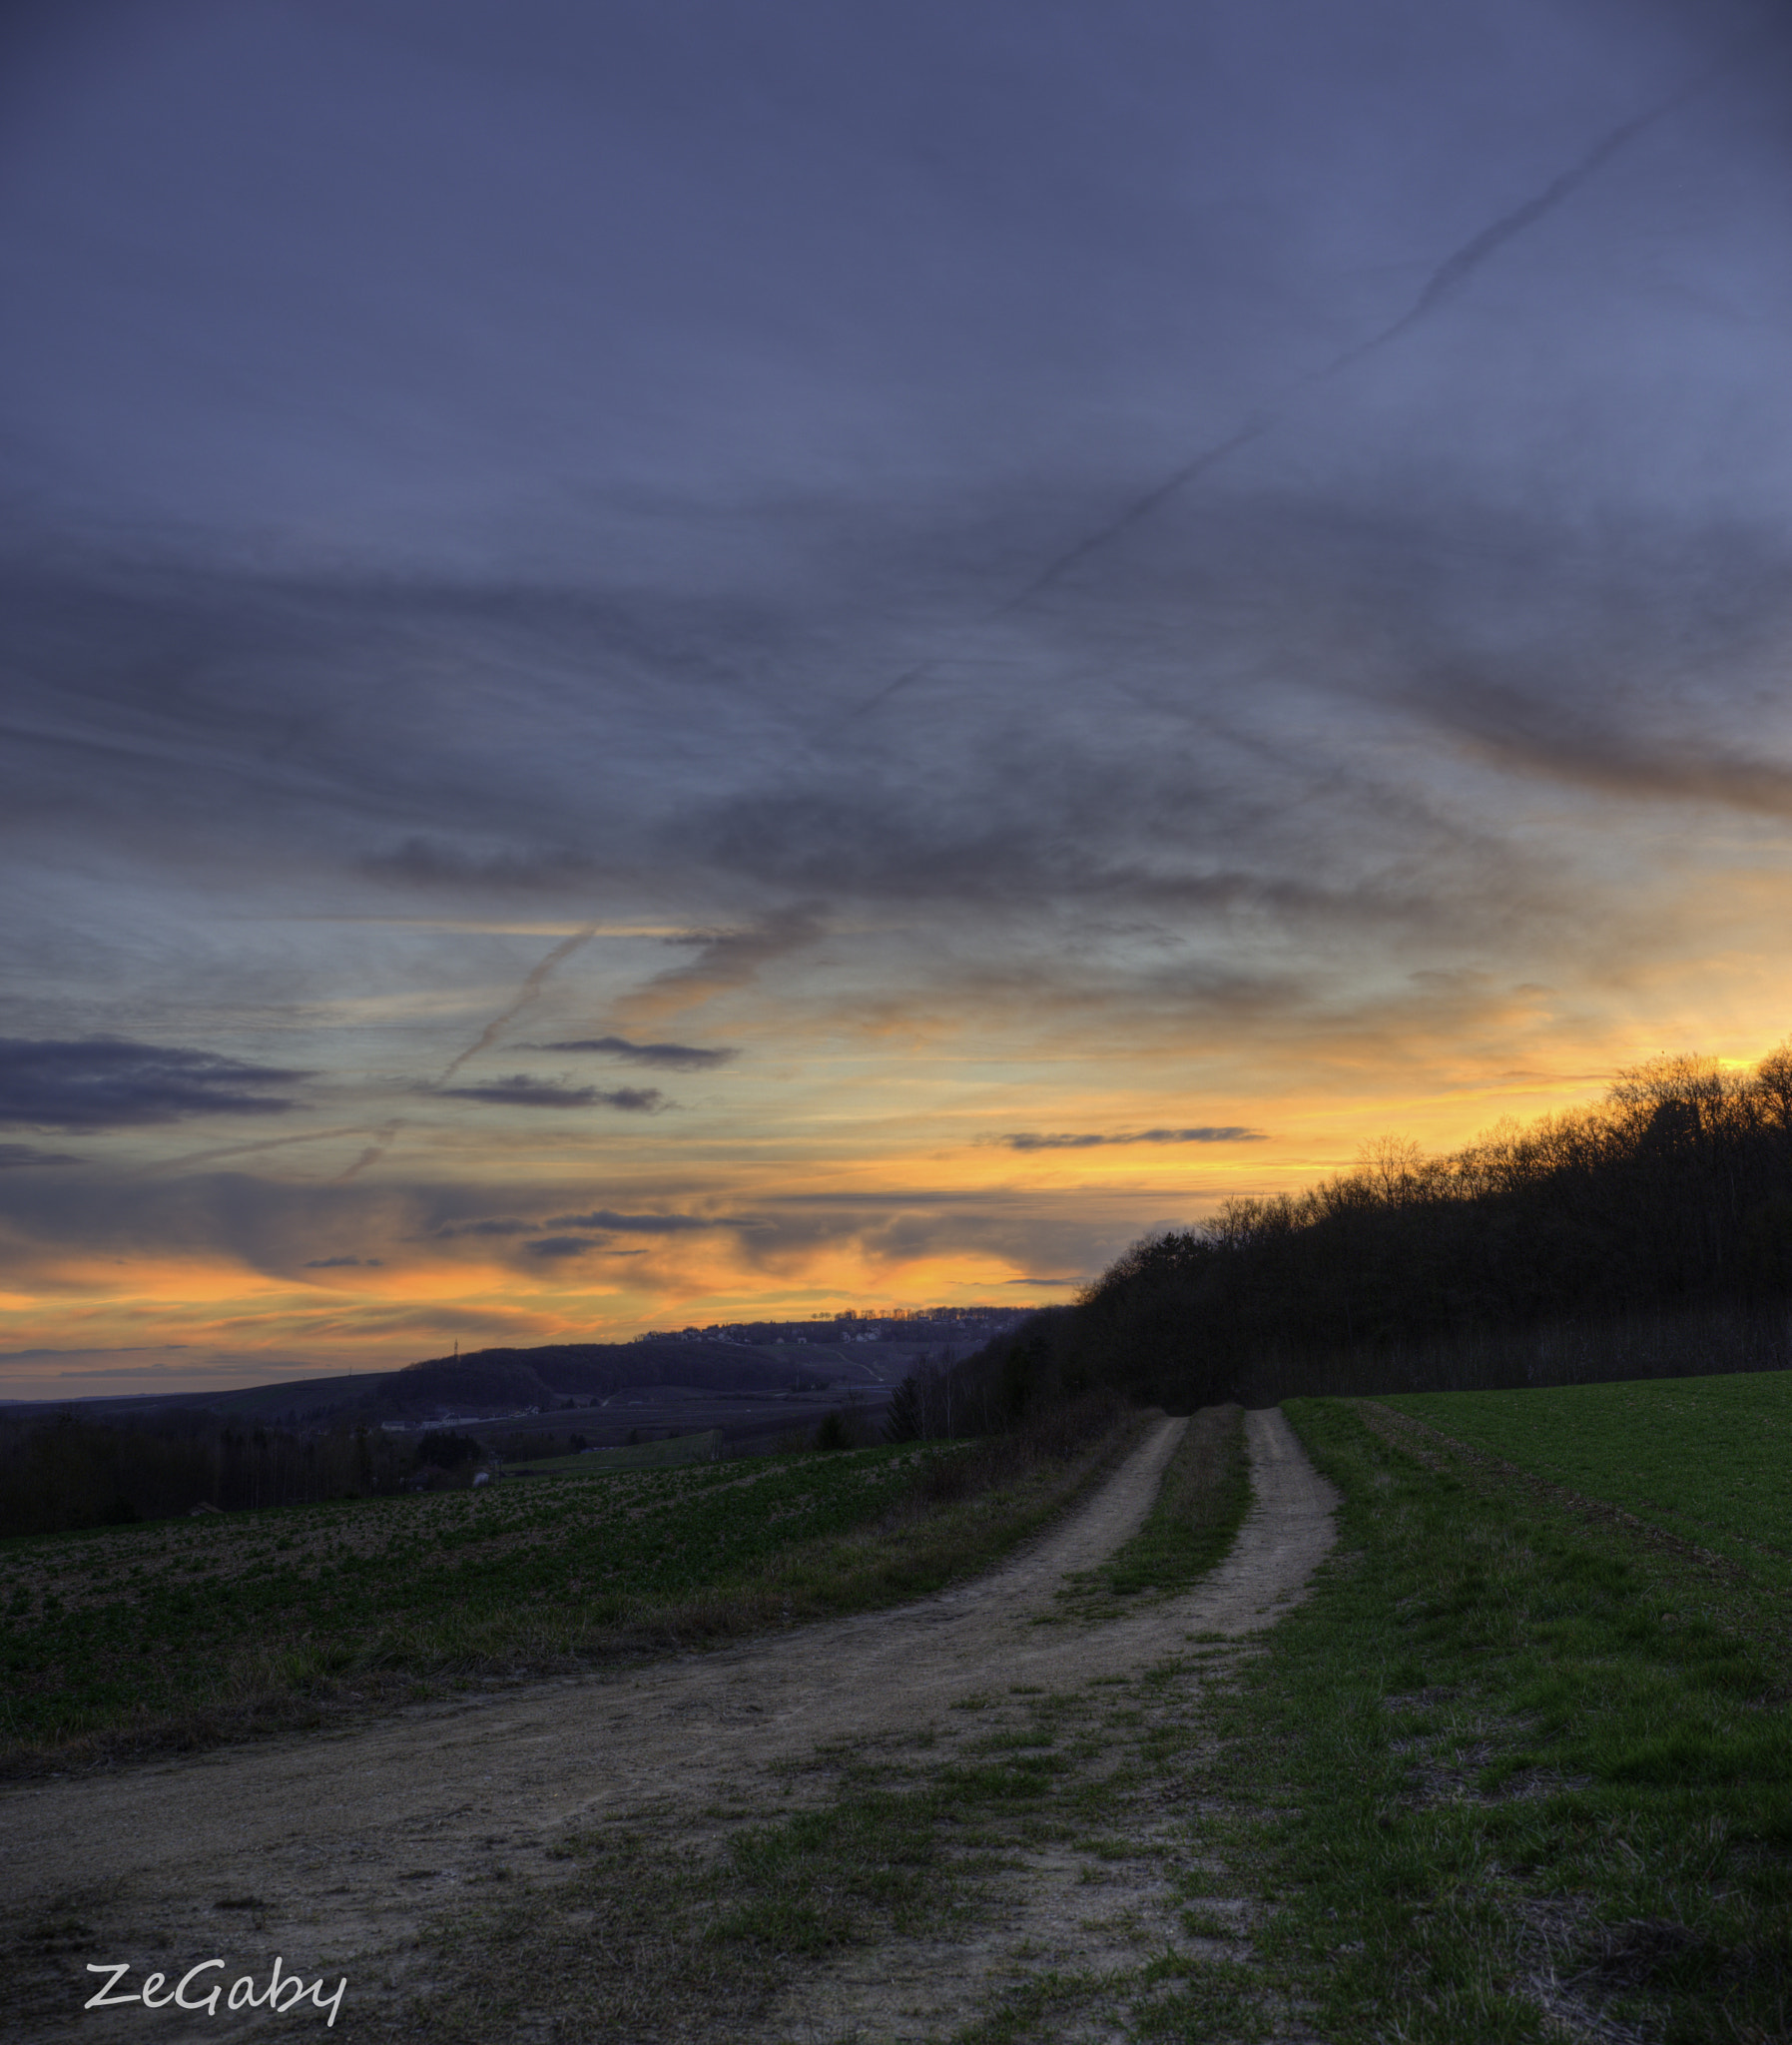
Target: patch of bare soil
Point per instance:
(333, 1851)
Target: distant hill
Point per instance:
(286, 1401)
(500, 1380)
(492, 1381)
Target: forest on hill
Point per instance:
(1647, 1235)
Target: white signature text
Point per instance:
(282, 1993)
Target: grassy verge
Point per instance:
(1537, 1775)
(121, 1640)
(1200, 1505)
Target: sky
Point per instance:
(667, 663)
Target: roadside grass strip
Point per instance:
(1534, 1778)
(1200, 1506)
(188, 1631)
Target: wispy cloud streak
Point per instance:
(249, 1149)
(529, 991)
(725, 960)
(677, 1057)
(1022, 1139)
(1444, 284)
(382, 1142)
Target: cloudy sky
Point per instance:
(668, 660)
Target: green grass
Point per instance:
(1205, 1494)
(191, 1630)
(1501, 1746)
(1200, 1505)
(1706, 1459)
(681, 1448)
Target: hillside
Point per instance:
(503, 1380)
(494, 1381)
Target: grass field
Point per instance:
(1531, 1775)
(1706, 1459)
(193, 1627)
(679, 1448)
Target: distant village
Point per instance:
(887, 1324)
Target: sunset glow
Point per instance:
(860, 655)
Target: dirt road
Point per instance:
(338, 1847)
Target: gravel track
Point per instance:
(348, 1842)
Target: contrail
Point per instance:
(1064, 563)
(1442, 285)
(525, 995)
(1455, 270)
(1209, 457)
(244, 1149)
(385, 1134)
(382, 1144)
(385, 1137)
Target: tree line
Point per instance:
(1647, 1235)
(72, 1470)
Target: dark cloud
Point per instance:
(519, 1090)
(602, 1218)
(108, 1083)
(637, 1225)
(1535, 732)
(564, 1245)
(433, 863)
(501, 1224)
(14, 1156)
(675, 1057)
(1230, 1133)
(342, 1264)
